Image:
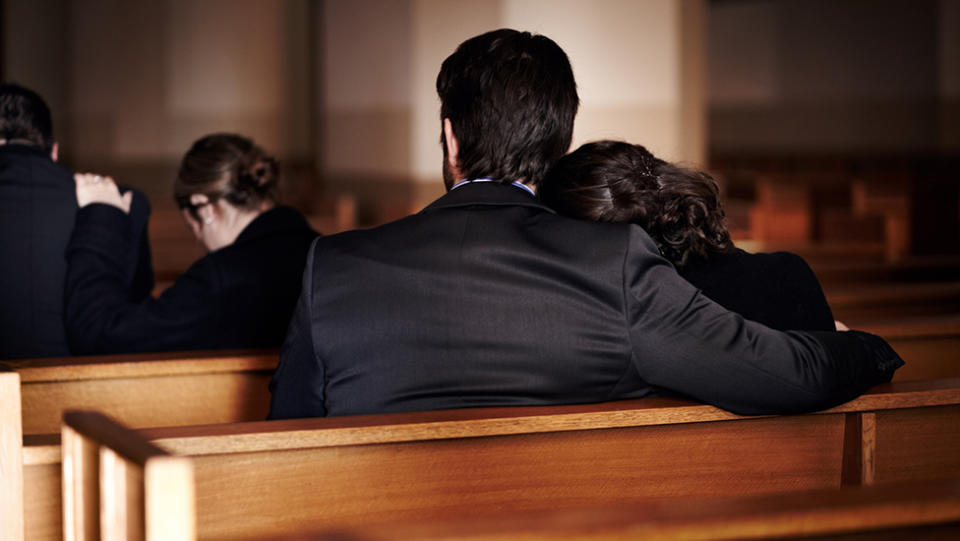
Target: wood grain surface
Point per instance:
(11, 457)
(148, 389)
(924, 510)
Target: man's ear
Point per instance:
(453, 146)
(55, 151)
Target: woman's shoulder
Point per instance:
(776, 288)
(785, 263)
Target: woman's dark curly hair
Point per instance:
(613, 181)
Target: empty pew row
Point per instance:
(269, 478)
(893, 300)
(907, 510)
(147, 390)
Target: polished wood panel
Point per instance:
(120, 486)
(924, 510)
(261, 493)
(11, 457)
(922, 444)
(257, 479)
(493, 459)
(399, 427)
(153, 389)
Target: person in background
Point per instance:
(613, 181)
(489, 298)
(37, 210)
(241, 294)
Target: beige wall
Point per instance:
(381, 120)
(345, 85)
(134, 82)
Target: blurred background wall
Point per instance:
(785, 100)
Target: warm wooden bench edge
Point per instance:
(144, 365)
(805, 513)
(11, 456)
(477, 422)
(481, 422)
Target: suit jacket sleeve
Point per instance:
(685, 342)
(139, 260)
(98, 313)
(297, 387)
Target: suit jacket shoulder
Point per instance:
(37, 208)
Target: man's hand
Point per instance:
(99, 189)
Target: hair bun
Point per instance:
(259, 176)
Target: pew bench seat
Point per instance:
(267, 478)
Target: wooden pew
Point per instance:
(893, 300)
(117, 487)
(41, 496)
(930, 345)
(129, 465)
(11, 457)
(268, 478)
(832, 271)
(148, 390)
(155, 389)
(925, 509)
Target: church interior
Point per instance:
(832, 128)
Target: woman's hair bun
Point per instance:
(259, 176)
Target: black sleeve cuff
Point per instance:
(870, 357)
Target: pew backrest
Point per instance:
(894, 511)
(285, 476)
(11, 457)
(928, 344)
(150, 389)
(119, 486)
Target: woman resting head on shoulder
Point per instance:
(680, 208)
(241, 294)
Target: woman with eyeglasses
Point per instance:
(240, 295)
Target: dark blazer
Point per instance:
(777, 289)
(239, 296)
(37, 206)
(488, 298)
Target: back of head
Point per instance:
(511, 99)
(24, 117)
(230, 167)
(612, 181)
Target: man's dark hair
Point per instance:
(24, 116)
(511, 100)
(613, 181)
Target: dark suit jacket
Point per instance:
(38, 205)
(488, 298)
(777, 289)
(239, 296)
(37, 208)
